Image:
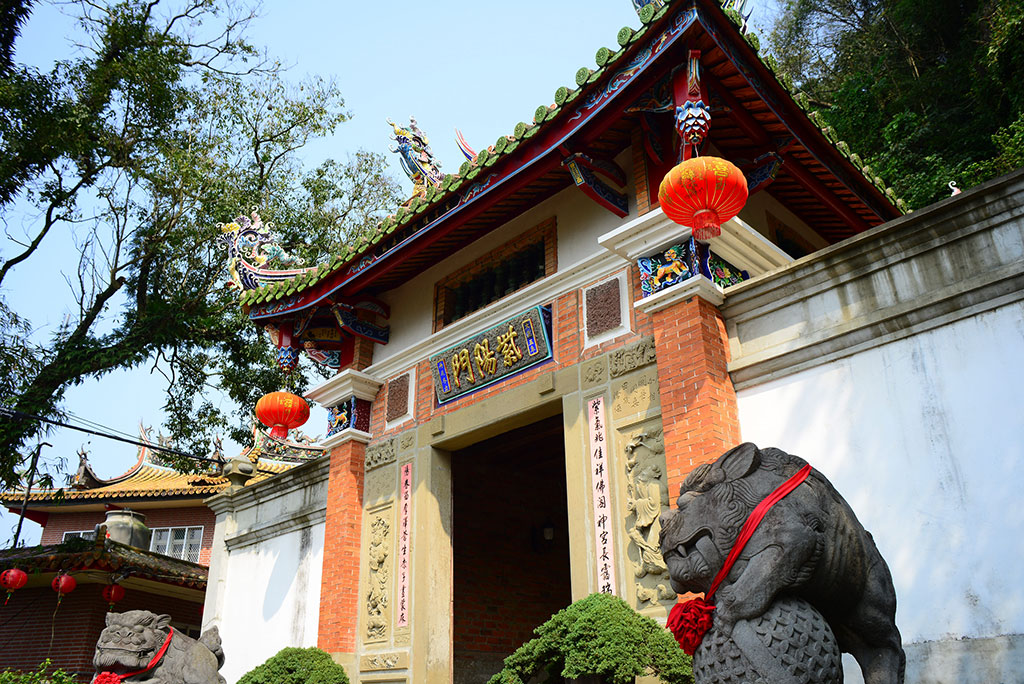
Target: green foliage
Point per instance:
(925, 92)
(297, 666)
(599, 635)
(41, 675)
(135, 150)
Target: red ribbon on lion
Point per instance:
(690, 621)
(114, 678)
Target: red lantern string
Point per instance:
(63, 584)
(12, 580)
(282, 411)
(690, 621)
(703, 193)
(112, 593)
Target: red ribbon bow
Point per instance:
(691, 620)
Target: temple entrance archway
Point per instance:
(510, 544)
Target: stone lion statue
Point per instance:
(809, 555)
(138, 646)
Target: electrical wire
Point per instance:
(21, 415)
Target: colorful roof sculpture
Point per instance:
(758, 122)
(252, 247)
(104, 555)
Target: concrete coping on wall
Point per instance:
(347, 383)
(956, 258)
(739, 243)
(299, 477)
(694, 286)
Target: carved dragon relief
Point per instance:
(377, 592)
(646, 499)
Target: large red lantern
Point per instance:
(282, 411)
(63, 584)
(703, 193)
(12, 580)
(112, 593)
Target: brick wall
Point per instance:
(698, 402)
(26, 622)
(567, 332)
(60, 522)
(339, 593)
(639, 158)
(508, 579)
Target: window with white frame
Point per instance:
(179, 542)
(80, 534)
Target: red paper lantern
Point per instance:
(112, 593)
(12, 580)
(703, 193)
(63, 584)
(282, 411)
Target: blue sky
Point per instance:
(480, 67)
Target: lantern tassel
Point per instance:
(279, 431)
(706, 225)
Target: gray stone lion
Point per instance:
(131, 642)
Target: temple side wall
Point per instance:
(269, 540)
(892, 362)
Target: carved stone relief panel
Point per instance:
(384, 661)
(595, 372)
(380, 486)
(380, 454)
(646, 498)
(407, 440)
(633, 356)
(378, 577)
(636, 394)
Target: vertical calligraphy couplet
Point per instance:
(602, 496)
(403, 547)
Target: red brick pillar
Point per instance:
(339, 589)
(698, 402)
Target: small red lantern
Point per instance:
(282, 411)
(112, 593)
(12, 580)
(63, 584)
(703, 193)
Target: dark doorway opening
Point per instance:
(510, 544)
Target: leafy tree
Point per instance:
(167, 124)
(926, 93)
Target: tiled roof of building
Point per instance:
(147, 482)
(585, 80)
(107, 556)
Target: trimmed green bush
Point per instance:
(297, 666)
(599, 635)
(38, 676)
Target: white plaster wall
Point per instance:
(580, 221)
(271, 598)
(923, 437)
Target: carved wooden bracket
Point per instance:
(585, 170)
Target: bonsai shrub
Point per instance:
(599, 635)
(38, 676)
(297, 666)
